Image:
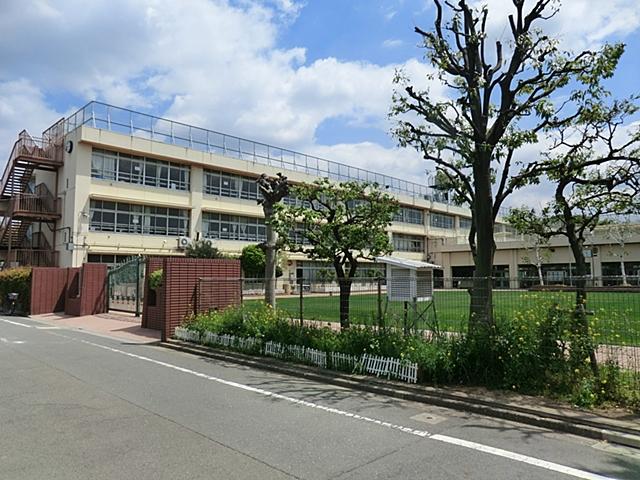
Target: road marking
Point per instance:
(4, 340)
(47, 328)
(15, 323)
(574, 472)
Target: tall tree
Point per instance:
(594, 167)
(342, 223)
(499, 100)
(272, 190)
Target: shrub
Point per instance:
(530, 352)
(16, 280)
(155, 279)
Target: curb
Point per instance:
(576, 426)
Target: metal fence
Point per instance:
(612, 309)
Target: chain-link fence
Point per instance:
(539, 327)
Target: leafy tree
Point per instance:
(595, 171)
(499, 101)
(253, 260)
(203, 249)
(272, 190)
(342, 223)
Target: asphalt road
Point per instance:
(79, 406)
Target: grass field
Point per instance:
(616, 315)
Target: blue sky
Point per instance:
(311, 75)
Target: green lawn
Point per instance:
(616, 315)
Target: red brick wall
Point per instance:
(48, 290)
(93, 296)
(178, 296)
(76, 291)
(72, 303)
(152, 314)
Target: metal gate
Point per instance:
(125, 283)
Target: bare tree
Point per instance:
(500, 100)
(620, 232)
(538, 253)
(273, 190)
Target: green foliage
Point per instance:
(203, 249)
(253, 260)
(342, 222)
(155, 279)
(533, 352)
(16, 280)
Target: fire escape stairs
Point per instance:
(25, 207)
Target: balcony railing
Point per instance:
(30, 257)
(121, 120)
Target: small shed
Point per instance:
(408, 280)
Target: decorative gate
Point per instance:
(125, 283)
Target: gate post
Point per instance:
(138, 286)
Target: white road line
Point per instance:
(47, 328)
(3, 340)
(15, 323)
(574, 472)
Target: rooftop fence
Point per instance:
(121, 120)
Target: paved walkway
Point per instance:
(117, 325)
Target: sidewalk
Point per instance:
(117, 325)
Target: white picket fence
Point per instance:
(346, 362)
(390, 368)
(372, 364)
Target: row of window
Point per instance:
(409, 215)
(122, 217)
(233, 227)
(120, 167)
(441, 220)
(408, 243)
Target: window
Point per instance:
(227, 185)
(233, 227)
(138, 219)
(440, 220)
(121, 167)
(237, 186)
(409, 215)
(408, 243)
(465, 223)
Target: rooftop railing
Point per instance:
(121, 120)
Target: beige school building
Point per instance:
(107, 183)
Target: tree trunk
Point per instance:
(481, 308)
(345, 295)
(271, 255)
(624, 273)
(581, 322)
(540, 276)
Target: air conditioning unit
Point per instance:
(184, 242)
(208, 242)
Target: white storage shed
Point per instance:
(408, 280)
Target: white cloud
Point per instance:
(213, 63)
(22, 105)
(392, 43)
(580, 24)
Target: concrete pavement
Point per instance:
(75, 405)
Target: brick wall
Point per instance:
(152, 308)
(178, 296)
(75, 291)
(48, 290)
